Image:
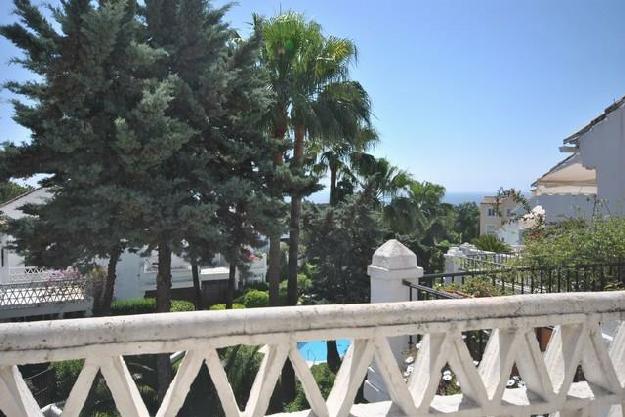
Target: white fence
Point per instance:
(549, 377)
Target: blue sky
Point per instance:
(473, 94)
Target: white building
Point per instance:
(590, 181)
(136, 274)
(601, 148)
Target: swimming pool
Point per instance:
(316, 351)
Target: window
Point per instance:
(491, 230)
(492, 212)
(509, 212)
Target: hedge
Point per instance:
(146, 306)
(223, 306)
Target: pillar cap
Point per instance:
(394, 255)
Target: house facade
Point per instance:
(492, 217)
(136, 272)
(601, 148)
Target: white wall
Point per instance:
(559, 207)
(603, 148)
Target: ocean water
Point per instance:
(459, 197)
(451, 197)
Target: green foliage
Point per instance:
(10, 190)
(304, 285)
(491, 243)
(254, 298)
(577, 242)
(468, 221)
(325, 380)
(146, 306)
(223, 306)
(257, 285)
(340, 242)
(65, 375)
(476, 287)
(423, 222)
(241, 364)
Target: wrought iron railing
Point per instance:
(533, 280)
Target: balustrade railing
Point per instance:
(35, 285)
(551, 380)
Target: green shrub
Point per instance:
(181, 305)
(325, 379)
(223, 306)
(254, 298)
(65, 375)
(258, 285)
(491, 243)
(477, 287)
(146, 306)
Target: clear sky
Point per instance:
(470, 94)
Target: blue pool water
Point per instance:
(316, 350)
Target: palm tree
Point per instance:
(379, 180)
(308, 74)
(338, 159)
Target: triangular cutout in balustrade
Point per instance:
(396, 387)
(263, 386)
(102, 385)
(444, 365)
(513, 369)
(573, 345)
(617, 352)
(350, 377)
(310, 386)
(597, 376)
(16, 398)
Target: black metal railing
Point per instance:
(535, 280)
(424, 292)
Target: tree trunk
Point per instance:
(296, 214)
(334, 360)
(333, 196)
(109, 286)
(288, 375)
(197, 289)
(163, 304)
(273, 269)
(232, 275)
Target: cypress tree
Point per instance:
(89, 73)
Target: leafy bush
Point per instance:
(304, 285)
(254, 298)
(223, 306)
(65, 375)
(257, 285)
(577, 242)
(325, 379)
(476, 287)
(146, 306)
(491, 243)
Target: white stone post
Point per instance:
(392, 264)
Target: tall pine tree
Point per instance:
(90, 72)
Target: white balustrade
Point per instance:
(549, 377)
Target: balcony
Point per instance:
(552, 385)
(30, 290)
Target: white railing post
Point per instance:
(392, 264)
